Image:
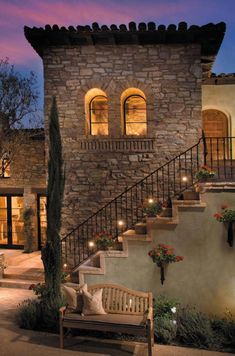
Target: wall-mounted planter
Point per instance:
(230, 225)
(162, 266)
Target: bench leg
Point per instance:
(149, 339)
(152, 333)
(61, 335)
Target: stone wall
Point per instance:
(169, 76)
(28, 166)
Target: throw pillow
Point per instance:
(92, 304)
(74, 297)
(70, 296)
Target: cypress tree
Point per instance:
(51, 253)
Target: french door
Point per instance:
(11, 221)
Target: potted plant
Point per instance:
(104, 241)
(227, 216)
(153, 208)
(162, 255)
(205, 173)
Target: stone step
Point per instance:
(16, 283)
(36, 274)
(23, 258)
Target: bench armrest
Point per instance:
(62, 311)
(148, 315)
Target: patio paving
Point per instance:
(19, 342)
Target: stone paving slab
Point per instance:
(20, 342)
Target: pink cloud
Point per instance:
(15, 14)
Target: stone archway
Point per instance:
(215, 127)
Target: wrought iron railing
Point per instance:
(164, 183)
(220, 156)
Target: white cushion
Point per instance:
(92, 304)
(74, 296)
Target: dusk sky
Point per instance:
(14, 14)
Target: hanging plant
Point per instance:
(227, 216)
(162, 255)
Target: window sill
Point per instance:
(121, 144)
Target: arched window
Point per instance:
(96, 109)
(134, 114)
(99, 115)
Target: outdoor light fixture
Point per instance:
(150, 200)
(65, 265)
(120, 223)
(184, 179)
(91, 244)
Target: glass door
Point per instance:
(3, 221)
(11, 222)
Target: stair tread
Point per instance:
(16, 283)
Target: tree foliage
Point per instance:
(51, 253)
(18, 96)
(18, 102)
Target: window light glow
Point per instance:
(184, 179)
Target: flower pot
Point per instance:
(141, 229)
(190, 195)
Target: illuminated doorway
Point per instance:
(11, 222)
(215, 127)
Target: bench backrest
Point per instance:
(121, 300)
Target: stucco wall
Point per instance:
(221, 97)
(170, 78)
(206, 276)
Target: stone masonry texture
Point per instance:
(169, 76)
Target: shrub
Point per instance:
(163, 306)
(29, 314)
(165, 329)
(164, 323)
(194, 328)
(224, 331)
(38, 314)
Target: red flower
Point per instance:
(179, 258)
(224, 206)
(218, 215)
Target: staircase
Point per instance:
(166, 183)
(22, 270)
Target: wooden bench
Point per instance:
(128, 311)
